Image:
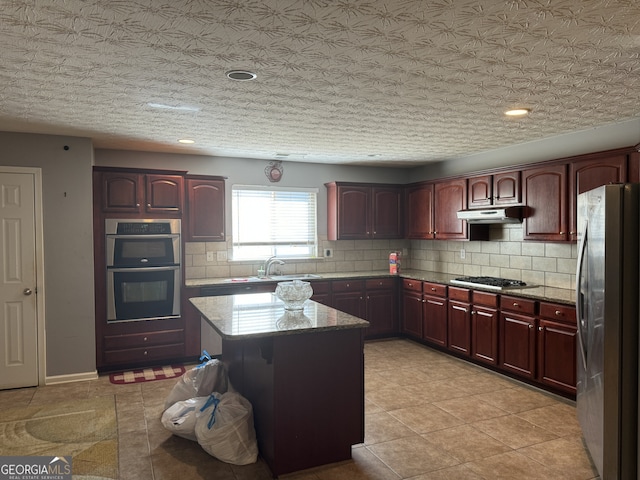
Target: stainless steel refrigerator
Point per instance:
(607, 301)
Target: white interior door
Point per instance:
(19, 323)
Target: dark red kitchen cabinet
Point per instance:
(434, 314)
(381, 303)
(517, 344)
(449, 197)
(459, 321)
(348, 297)
(419, 211)
(484, 327)
(206, 209)
(585, 175)
(557, 344)
(545, 195)
(358, 211)
(411, 324)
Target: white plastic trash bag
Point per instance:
(180, 418)
(199, 381)
(224, 429)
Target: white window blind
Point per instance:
(273, 221)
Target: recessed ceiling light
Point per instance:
(241, 75)
(517, 112)
(186, 141)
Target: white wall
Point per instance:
(68, 243)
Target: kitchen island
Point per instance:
(303, 373)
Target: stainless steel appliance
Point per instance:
(494, 283)
(607, 301)
(143, 269)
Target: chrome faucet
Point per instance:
(270, 261)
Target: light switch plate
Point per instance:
(210, 257)
(222, 256)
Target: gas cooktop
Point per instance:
(495, 283)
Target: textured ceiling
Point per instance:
(339, 81)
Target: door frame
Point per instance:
(39, 264)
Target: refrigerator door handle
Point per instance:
(580, 298)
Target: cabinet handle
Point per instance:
(540, 329)
(561, 233)
(423, 301)
(380, 284)
(558, 312)
(515, 304)
(473, 312)
(148, 205)
(145, 352)
(572, 233)
(433, 289)
(144, 339)
(530, 325)
(137, 204)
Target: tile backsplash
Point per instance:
(505, 254)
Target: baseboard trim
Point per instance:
(72, 377)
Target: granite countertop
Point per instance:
(238, 317)
(550, 294)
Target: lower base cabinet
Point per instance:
(411, 324)
(434, 314)
(557, 343)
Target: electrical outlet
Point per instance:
(209, 256)
(222, 256)
(463, 254)
(328, 252)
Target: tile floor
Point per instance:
(428, 417)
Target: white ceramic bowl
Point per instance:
(293, 294)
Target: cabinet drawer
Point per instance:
(518, 304)
(558, 313)
(460, 294)
(347, 285)
(413, 285)
(484, 298)
(132, 340)
(435, 289)
(139, 355)
(380, 283)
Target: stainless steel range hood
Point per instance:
(492, 215)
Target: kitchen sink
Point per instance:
(279, 278)
(295, 276)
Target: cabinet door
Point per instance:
(206, 207)
(164, 193)
(557, 355)
(419, 208)
(121, 192)
(348, 296)
(480, 191)
(412, 313)
(484, 339)
(434, 319)
(387, 212)
(545, 194)
(450, 197)
(459, 328)
(517, 344)
(587, 175)
(506, 188)
(354, 212)
(381, 312)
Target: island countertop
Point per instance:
(238, 317)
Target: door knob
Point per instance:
(27, 291)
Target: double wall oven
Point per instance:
(143, 269)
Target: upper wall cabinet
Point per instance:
(545, 194)
(585, 175)
(419, 211)
(449, 197)
(492, 190)
(125, 191)
(358, 211)
(205, 208)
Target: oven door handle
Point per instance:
(142, 269)
(142, 237)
